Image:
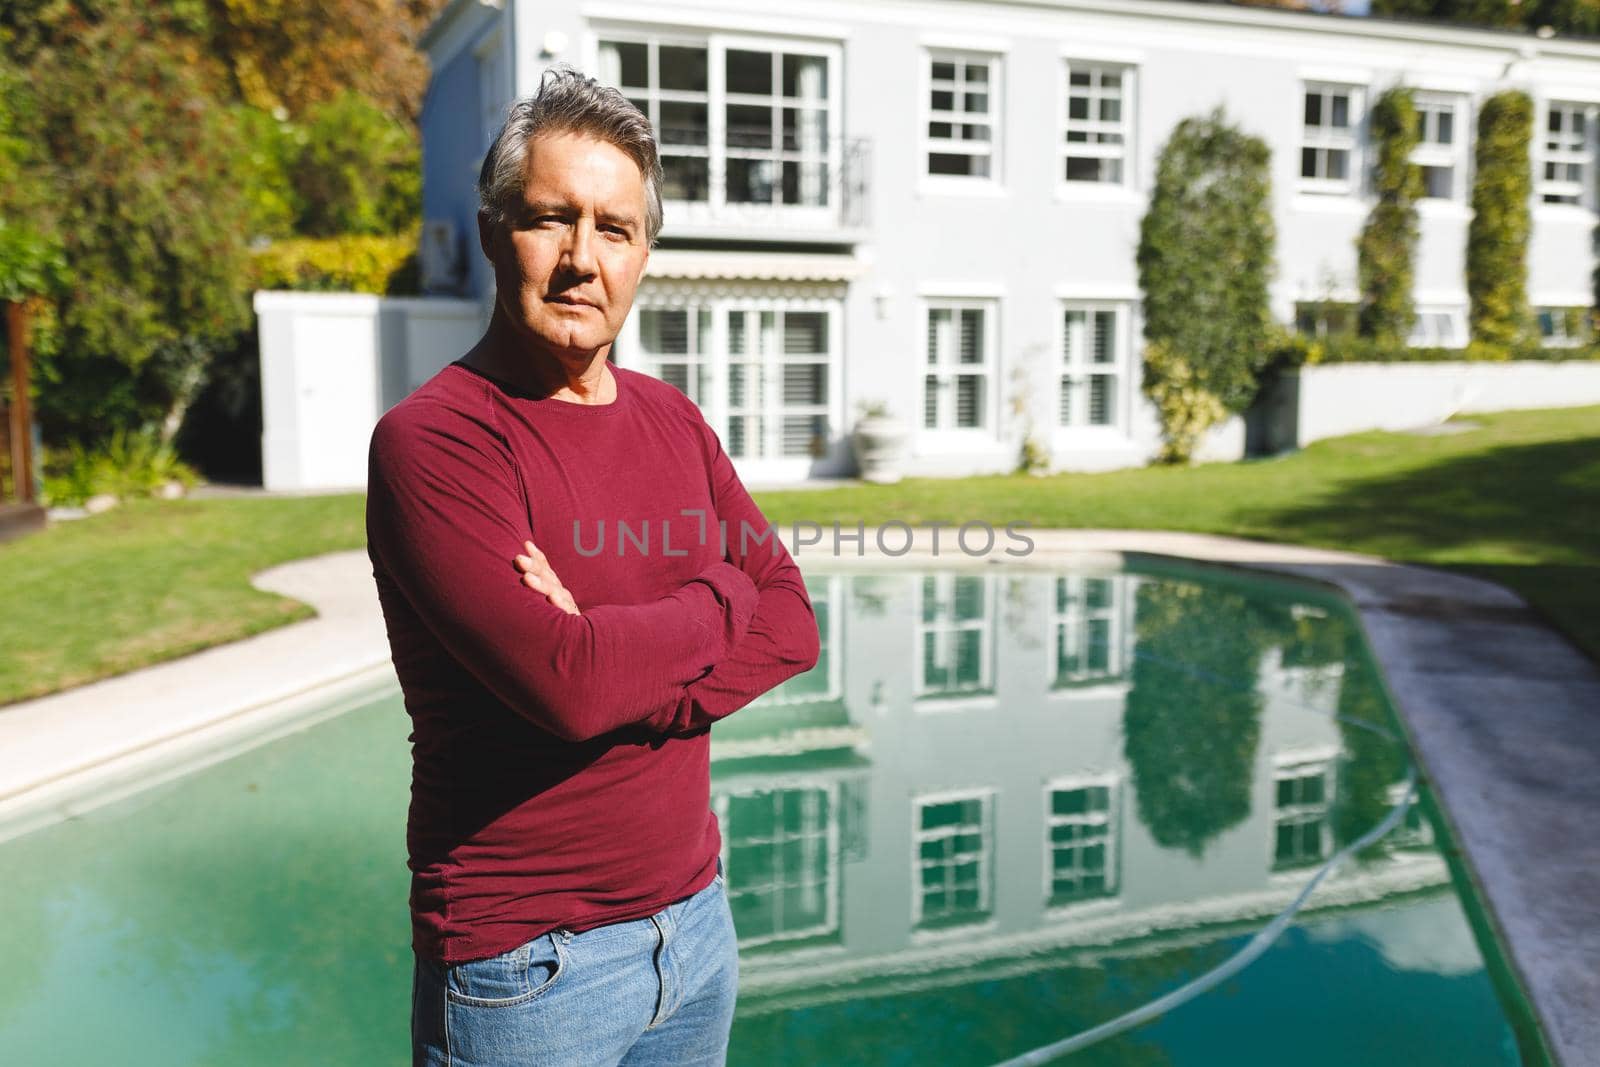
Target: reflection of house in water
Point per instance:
(947, 796)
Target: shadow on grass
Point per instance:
(1526, 516)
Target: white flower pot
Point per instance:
(880, 442)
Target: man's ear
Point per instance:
(486, 235)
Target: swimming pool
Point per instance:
(1007, 806)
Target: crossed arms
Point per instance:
(445, 520)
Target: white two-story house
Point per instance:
(936, 204)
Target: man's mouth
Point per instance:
(569, 301)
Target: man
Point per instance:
(567, 897)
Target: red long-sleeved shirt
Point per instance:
(561, 763)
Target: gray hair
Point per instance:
(569, 102)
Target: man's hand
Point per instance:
(538, 575)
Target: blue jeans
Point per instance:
(657, 990)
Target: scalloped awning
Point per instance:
(756, 266)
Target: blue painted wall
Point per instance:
(451, 155)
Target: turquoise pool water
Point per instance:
(1007, 806)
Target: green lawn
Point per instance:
(1516, 500)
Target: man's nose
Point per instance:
(579, 254)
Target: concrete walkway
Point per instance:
(1504, 715)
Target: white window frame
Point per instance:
(1452, 156)
(716, 209)
(943, 628)
(948, 368)
(1424, 333)
(1128, 95)
(830, 838)
(1323, 139)
(994, 118)
(1563, 194)
(985, 829)
(721, 300)
(1119, 370)
(1111, 819)
(1287, 767)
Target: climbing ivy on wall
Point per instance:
(1497, 240)
(1386, 249)
(1205, 257)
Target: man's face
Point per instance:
(568, 257)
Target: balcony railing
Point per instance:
(762, 198)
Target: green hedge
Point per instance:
(383, 265)
(1297, 350)
(1497, 238)
(1386, 250)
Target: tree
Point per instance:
(1205, 257)
(133, 184)
(292, 55)
(1386, 249)
(1497, 237)
(357, 171)
(1580, 17)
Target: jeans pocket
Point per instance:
(523, 974)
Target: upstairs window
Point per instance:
(1568, 153)
(1328, 138)
(1098, 133)
(962, 117)
(735, 125)
(1439, 146)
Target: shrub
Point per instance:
(383, 265)
(127, 465)
(1205, 256)
(1386, 249)
(1185, 407)
(1497, 239)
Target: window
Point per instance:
(735, 125)
(955, 636)
(1300, 814)
(676, 344)
(761, 369)
(1439, 145)
(1328, 140)
(1563, 327)
(962, 115)
(1081, 821)
(1094, 361)
(954, 860)
(670, 83)
(1087, 625)
(1326, 318)
(1568, 153)
(782, 862)
(960, 372)
(1439, 327)
(1098, 131)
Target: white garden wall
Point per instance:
(1330, 401)
(332, 363)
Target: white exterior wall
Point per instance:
(332, 363)
(1028, 241)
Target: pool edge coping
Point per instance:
(1424, 626)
